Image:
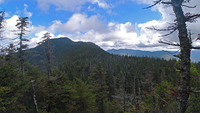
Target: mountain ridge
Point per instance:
(157, 54)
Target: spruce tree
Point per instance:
(98, 81)
(2, 23)
(22, 25)
(46, 46)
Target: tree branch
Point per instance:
(156, 2)
(164, 100)
(168, 43)
(168, 33)
(171, 28)
(195, 47)
(191, 18)
(189, 6)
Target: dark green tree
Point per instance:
(86, 98)
(46, 46)
(98, 81)
(2, 23)
(22, 25)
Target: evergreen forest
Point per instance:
(62, 76)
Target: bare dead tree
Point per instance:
(185, 46)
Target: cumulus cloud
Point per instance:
(152, 37)
(81, 27)
(117, 35)
(72, 5)
(79, 22)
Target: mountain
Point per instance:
(138, 53)
(65, 49)
(157, 54)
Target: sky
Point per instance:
(110, 24)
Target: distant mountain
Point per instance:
(65, 49)
(157, 54)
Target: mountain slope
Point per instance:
(62, 49)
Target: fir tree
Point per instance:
(98, 81)
(2, 23)
(46, 41)
(22, 25)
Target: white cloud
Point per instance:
(101, 3)
(81, 27)
(91, 9)
(72, 5)
(26, 13)
(78, 22)
(10, 25)
(167, 17)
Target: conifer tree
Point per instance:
(98, 81)
(2, 23)
(46, 41)
(22, 25)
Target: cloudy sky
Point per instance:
(111, 24)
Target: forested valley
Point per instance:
(62, 76)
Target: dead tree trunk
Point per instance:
(34, 99)
(185, 46)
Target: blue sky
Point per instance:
(111, 24)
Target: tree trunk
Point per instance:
(184, 86)
(20, 53)
(34, 99)
(48, 58)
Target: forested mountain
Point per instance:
(64, 48)
(86, 79)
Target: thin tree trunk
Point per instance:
(34, 99)
(134, 94)
(48, 58)
(20, 52)
(124, 85)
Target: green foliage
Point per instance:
(98, 82)
(13, 86)
(159, 99)
(86, 99)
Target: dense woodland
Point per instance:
(90, 80)
(62, 76)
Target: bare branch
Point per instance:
(189, 6)
(168, 33)
(167, 29)
(164, 100)
(171, 28)
(166, 3)
(168, 43)
(195, 47)
(156, 2)
(191, 18)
